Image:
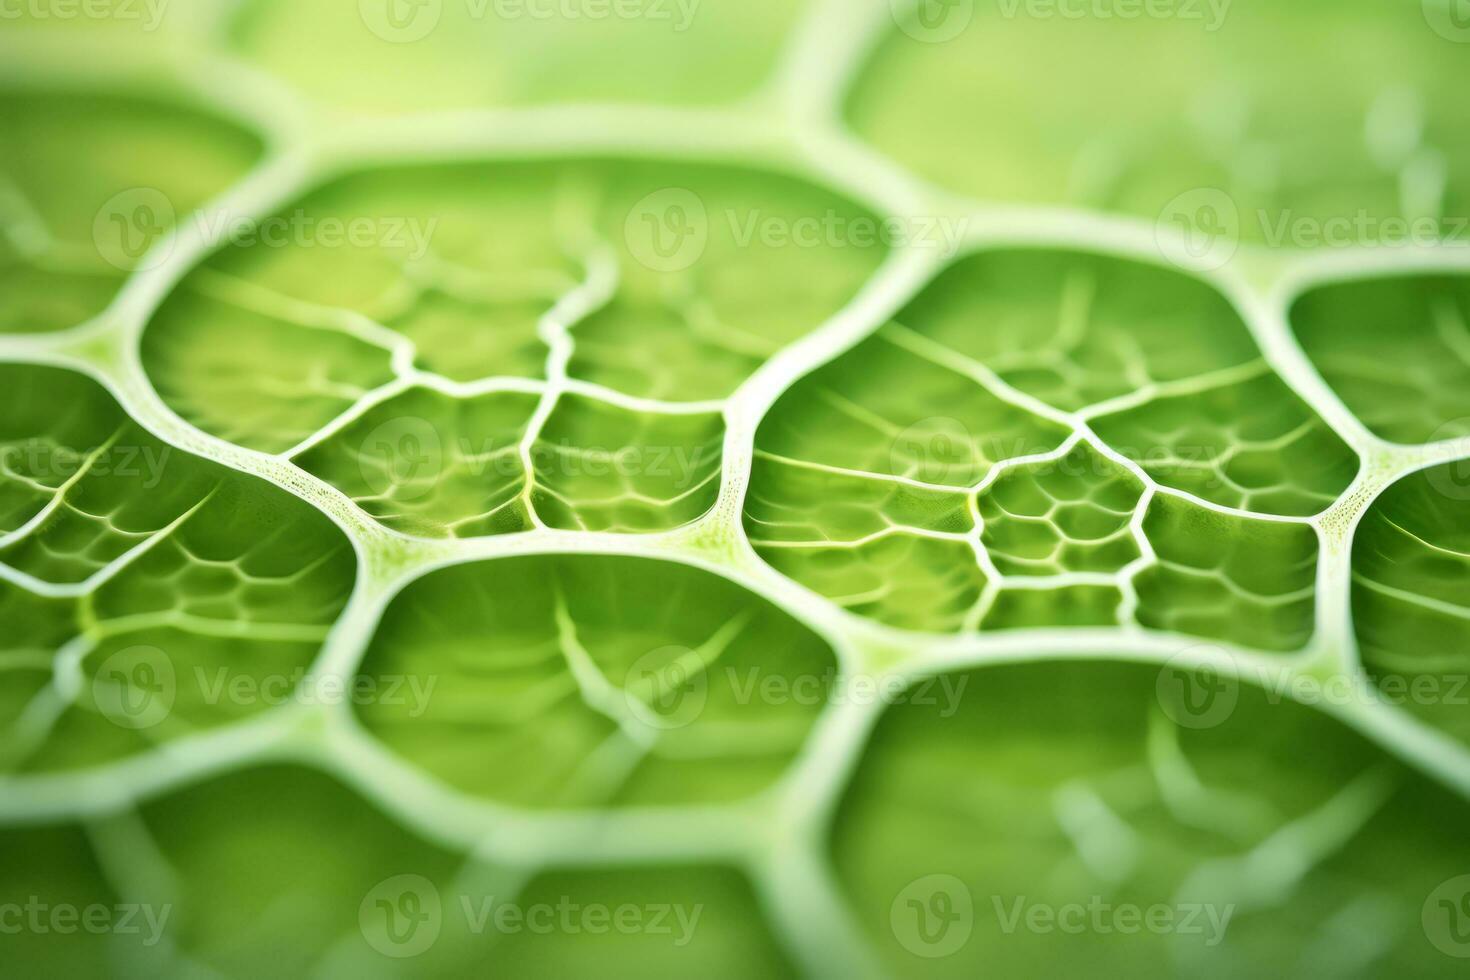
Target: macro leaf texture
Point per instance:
(728, 488)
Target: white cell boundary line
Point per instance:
(820, 64)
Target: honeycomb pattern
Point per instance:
(765, 583)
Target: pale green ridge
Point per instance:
(1411, 595)
(582, 681)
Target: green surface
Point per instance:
(655, 488)
(1274, 104)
